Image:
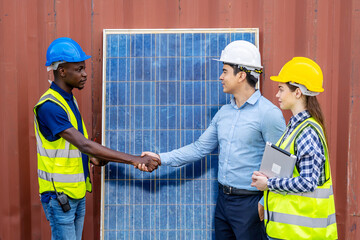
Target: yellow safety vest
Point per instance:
(59, 160)
(309, 215)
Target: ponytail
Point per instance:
(315, 111)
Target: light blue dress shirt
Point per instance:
(241, 134)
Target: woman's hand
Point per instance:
(259, 181)
(261, 211)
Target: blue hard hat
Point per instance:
(65, 49)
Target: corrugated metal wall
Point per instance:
(325, 30)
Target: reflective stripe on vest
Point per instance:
(59, 153)
(309, 215)
(293, 136)
(64, 178)
(317, 193)
(55, 153)
(301, 220)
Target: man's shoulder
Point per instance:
(266, 104)
(50, 109)
(268, 110)
(222, 112)
(225, 108)
(49, 105)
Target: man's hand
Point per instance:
(148, 163)
(153, 156)
(259, 181)
(98, 162)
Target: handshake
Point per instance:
(148, 162)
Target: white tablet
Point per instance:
(277, 162)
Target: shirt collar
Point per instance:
(300, 117)
(252, 99)
(65, 95)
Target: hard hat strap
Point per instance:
(54, 65)
(252, 71)
(244, 69)
(304, 90)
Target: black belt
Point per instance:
(236, 191)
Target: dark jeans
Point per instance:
(237, 217)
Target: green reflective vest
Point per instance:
(309, 215)
(59, 160)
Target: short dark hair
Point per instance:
(251, 80)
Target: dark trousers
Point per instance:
(237, 217)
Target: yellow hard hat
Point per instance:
(303, 71)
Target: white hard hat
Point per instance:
(241, 53)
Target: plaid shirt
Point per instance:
(310, 159)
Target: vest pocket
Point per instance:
(67, 166)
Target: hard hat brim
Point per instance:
(283, 80)
(86, 57)
(240, 64)
(278, 79)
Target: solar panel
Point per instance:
(160, 92)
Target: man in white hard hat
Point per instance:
(241, 130)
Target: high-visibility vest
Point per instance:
(309, 215)
(60, 162)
